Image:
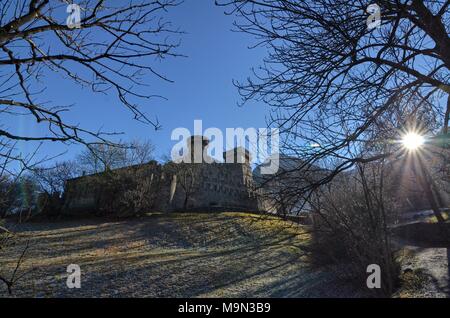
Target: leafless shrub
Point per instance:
(141, 197)
(351, 226)
(7, 239)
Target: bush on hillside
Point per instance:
(350, 228)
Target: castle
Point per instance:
(174, 186)
(197, 182)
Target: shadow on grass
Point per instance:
(180, 255)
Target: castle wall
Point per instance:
(217, 185)
(91, 193)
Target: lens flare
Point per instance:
(412, 141)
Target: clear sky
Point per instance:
(202, 87)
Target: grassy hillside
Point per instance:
(171, 255)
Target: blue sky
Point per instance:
(202, 87)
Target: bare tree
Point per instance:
(53, 179)
(186, 176)
(13, 177)
(7, 239)
(142, 192)
(102, 157)
(107, 51)
(351, 226)
(9, 181)
(140, 152)
(333, 81)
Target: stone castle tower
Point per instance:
(218, 185)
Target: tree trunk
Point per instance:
(426, 182)
(186, 197)
(447, 116)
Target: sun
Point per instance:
(412, 141)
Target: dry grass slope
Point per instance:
(171, 255)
